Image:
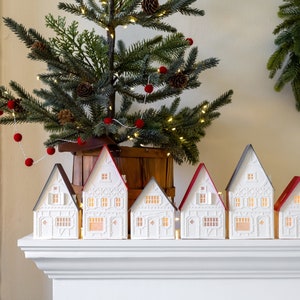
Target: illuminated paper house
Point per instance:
(250, 199)
(287, 209)
(202, 211)
(105, 201)
(56, 213)
(152, 214)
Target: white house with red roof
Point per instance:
(287, 208)
(250, 199)
(202, 211)
(152, 215)
(105, 201)
(56, 212)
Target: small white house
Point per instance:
(202, 211)
(56, 213)
(105, 201)
(287, 208)
(152, 214)
(250, 200)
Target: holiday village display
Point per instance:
(97, 86)
(285, 61)
(249, 211)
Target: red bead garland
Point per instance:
(28, 162)
(11, 104)
(18, 137)
(50, 150)
(149, 88)
(139, 123)
(190, 41)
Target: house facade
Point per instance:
(152, 214)
(250, 199)
(56, 213)
(202, 211)
(105, 201)
(287, 209)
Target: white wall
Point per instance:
(239, 33)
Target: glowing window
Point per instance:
(62, 222)
(237, 202)
(242, 224)
(251, 202)
(297, 199)
(104, 202)
(250, 176)
(202, 198)
(104, 176)
(91, 202)
(210, 222)
(288, 221)
(118, 202)
(264, 202)
(96, 224)
(152, 199)
(165, 222)
(139, 222)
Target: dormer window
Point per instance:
(297, 199)
(56, 199)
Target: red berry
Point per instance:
(148, 88)
(28, 162)
(139, 123)
(11, 104)
(80, 142)
(107, 120)
(18, 137)
(190, 41)
(163, 70)
(50, 150)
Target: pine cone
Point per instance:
(37, 45)
(65, 116)
(18, 107)
(178, 81)
(150, 6)
(84, 89)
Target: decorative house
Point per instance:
(105, 201)
(250, 199)
(287, 210)
(152, 215)
(202, 211)
(56, 213)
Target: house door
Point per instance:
(46, 227)
(116, 228)
(153, 228)
(263, 226)
(192, 227)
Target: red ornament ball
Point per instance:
(28, 162)
(50, 150)
(11, 104)
(163, 70)
(148, 88)
(80, 142)
(18, 137)
(107, 120)
(139, 123)
(190, 41)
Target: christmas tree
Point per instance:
(287, 55)
(96, 85)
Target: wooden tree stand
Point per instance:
(137, 164)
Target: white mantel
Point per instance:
(174, 269)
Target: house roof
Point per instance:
(241, 162)
(152, 179)
(58, 168)
(286, 193)
(104, 150)
(186, 195)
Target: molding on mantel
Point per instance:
(164, 259)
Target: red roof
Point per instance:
(200, 167)
(286, 193)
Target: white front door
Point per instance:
(46, 227)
